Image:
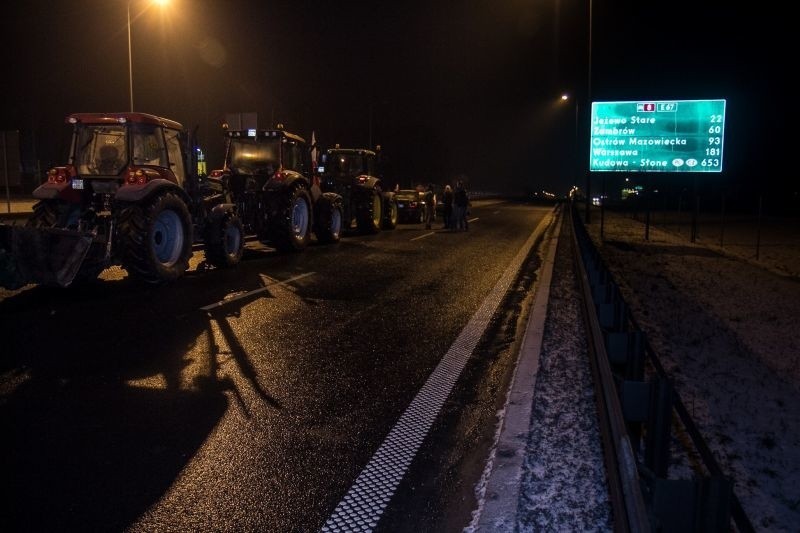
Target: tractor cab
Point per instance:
(115, 154)
(344, 167)
(260, 154)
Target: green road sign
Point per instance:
(657, 136)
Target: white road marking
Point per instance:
(496, 212)
(473, 219)
(256, 291)
(363, 505)
(423, 236)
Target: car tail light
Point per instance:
(279, 176)
(412, 204)
(136, 177)
(216, 173)
(362, 179)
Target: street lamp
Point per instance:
(130, 54)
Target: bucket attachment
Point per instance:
(49, 256)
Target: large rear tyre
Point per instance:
(290, 228)
(224, 241)
(156, 238)
(391, 213)
(330, 222)
(370, 214)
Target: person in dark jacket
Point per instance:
(447, 201)
(460, 202)
(430, 206)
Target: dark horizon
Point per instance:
(471, 92)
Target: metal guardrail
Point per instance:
(633, 411)
(626, 498)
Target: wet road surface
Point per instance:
(125, 406)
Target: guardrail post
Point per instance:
(612, 315)
(627, 348)
(659, 421)
(714, 497)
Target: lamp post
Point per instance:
(130, 53)
(589, 100)
(130, 57)
(565, 98)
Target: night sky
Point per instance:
(448, 89)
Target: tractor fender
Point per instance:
(49, 191)
(365, 181)
(137, 193)
(284, 180)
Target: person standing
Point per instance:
(447, 200)
(430, 206)
(461, 202)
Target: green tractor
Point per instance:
(351, 173)
(268, 178)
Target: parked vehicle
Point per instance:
(267, 176)
(126, 196)
(352, 174)
(410, 206)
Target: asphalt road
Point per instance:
(130, 407)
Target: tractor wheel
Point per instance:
(370, 214)
(390, 217)
(290, 230)
(45, 215)
(156, 238)
(330, 222)
(224, 241)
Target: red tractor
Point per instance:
(127, 195)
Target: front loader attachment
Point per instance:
(50, 256)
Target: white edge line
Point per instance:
(423, 236)
(473, 219)
(220, 303)
(362, 506)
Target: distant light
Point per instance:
(565, 97)
(251, 132)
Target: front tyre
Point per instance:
(330, 222)
(224, 241)
(390, 217)
(156, 238)
(370, 213)
(290, 226)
